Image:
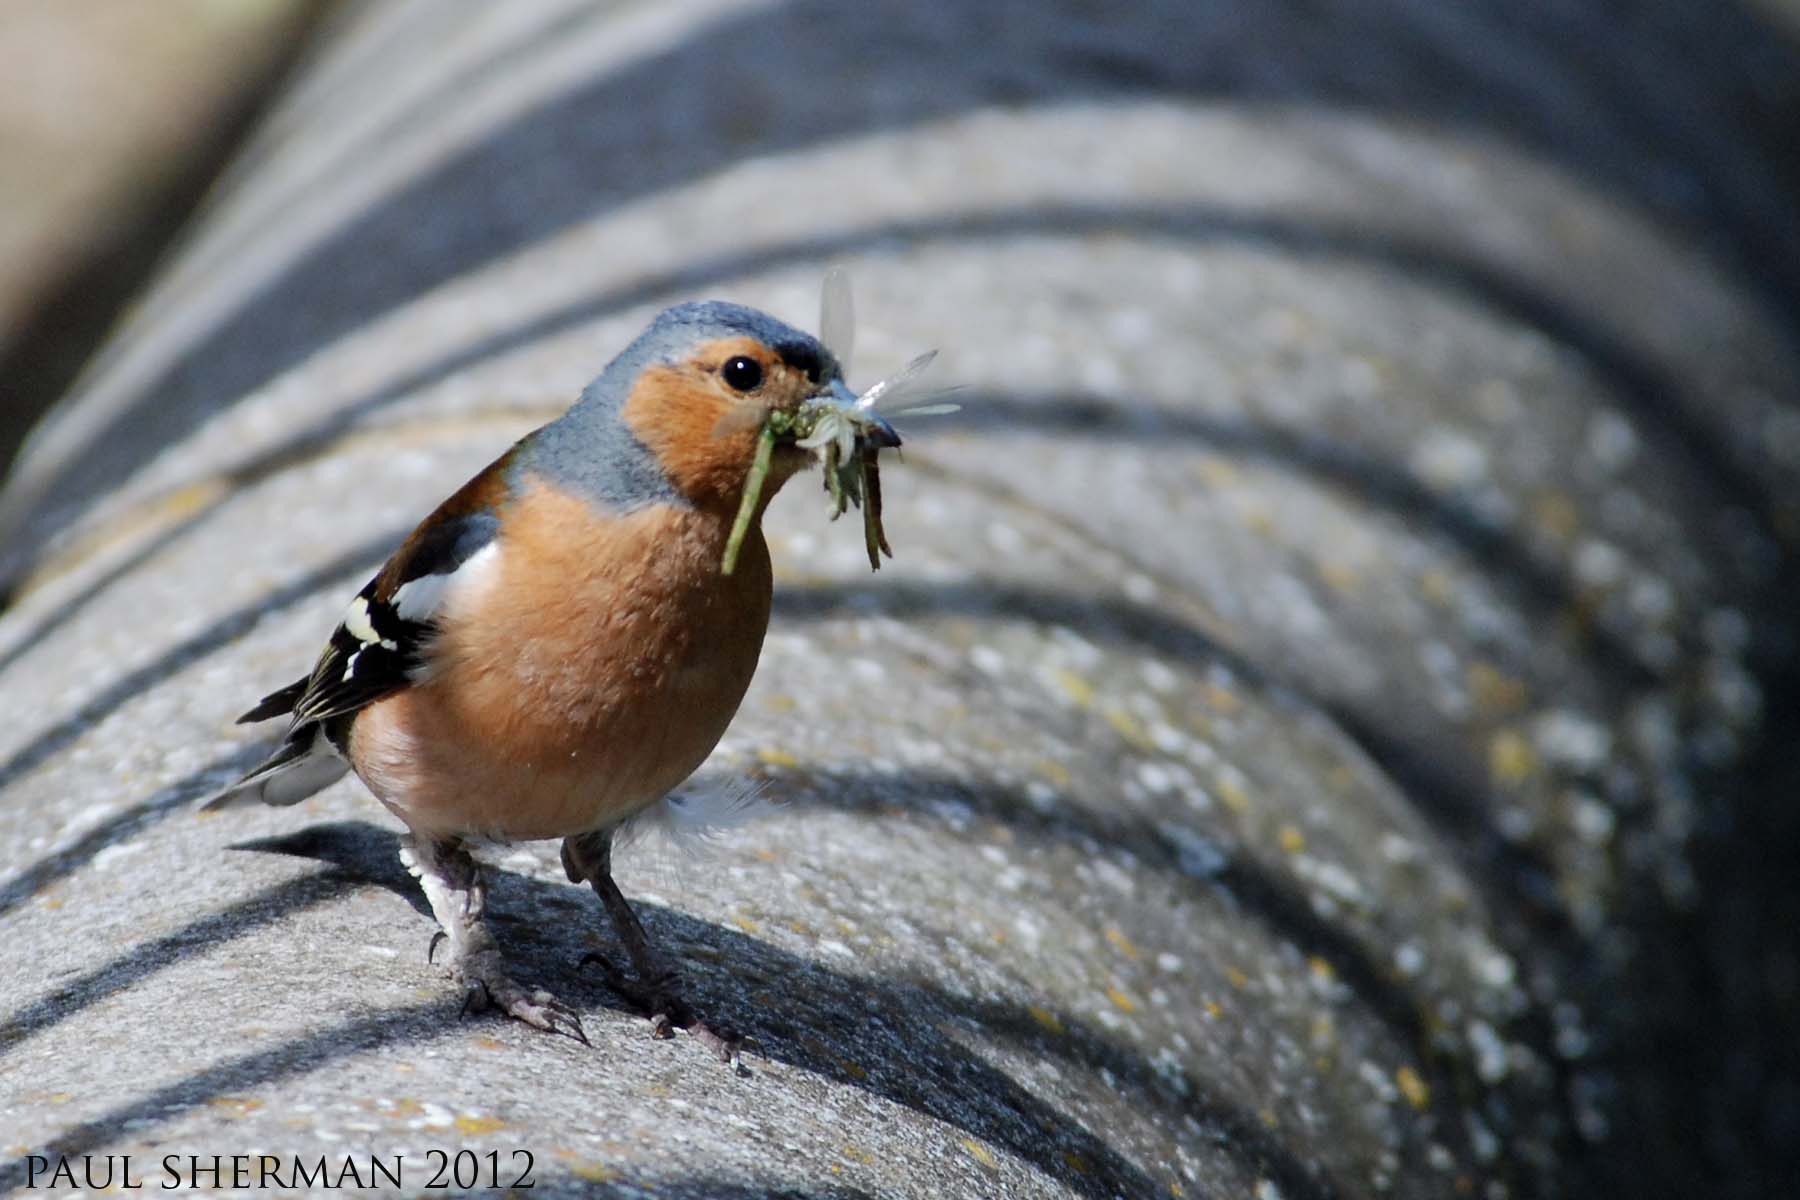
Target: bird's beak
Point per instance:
(871, 429)
(878, 433)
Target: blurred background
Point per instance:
(115, 117)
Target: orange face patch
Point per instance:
(702, 423)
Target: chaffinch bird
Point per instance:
(557, 646)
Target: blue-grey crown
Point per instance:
(676, 331)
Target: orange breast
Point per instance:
(592, 669)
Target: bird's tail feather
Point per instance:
(303, 765)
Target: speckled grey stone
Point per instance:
(1280, 760)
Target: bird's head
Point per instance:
(698, 386)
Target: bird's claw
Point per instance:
(539, 1009)
(727, 1044)
(660, 1000)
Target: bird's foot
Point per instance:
(452, 883)
(659, 997)
(536, 1007)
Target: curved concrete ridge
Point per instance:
(995, 175)
(894, 66)
(1271, 766)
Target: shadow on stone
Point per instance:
(893, 1027)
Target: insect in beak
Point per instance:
(870, 428)
(841, 427)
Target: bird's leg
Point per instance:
(452, 883)
(656, 987)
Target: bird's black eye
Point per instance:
(741, 373)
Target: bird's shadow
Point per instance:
(885, 1035)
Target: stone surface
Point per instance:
(1300, 749)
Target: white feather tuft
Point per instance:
(420, 599)
(692, 817)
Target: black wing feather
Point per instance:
(374, 651)
(354, 671)
(275, 703)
